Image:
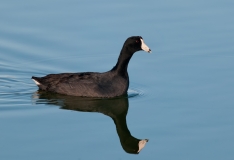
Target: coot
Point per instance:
(109, 84)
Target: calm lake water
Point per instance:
(181, 96)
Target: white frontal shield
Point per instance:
(144, 47)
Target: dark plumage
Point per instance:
(92, 84)
(115, 108)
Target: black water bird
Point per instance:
(93, 84)
(115, 108)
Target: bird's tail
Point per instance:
(36, 80)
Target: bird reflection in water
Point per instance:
(116, 108)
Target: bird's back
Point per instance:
(87, 84)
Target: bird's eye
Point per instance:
(137, 41)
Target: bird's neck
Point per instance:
(121, 127)
(123, 60)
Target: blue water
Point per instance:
(180, 97)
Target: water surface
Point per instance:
(180, 96)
